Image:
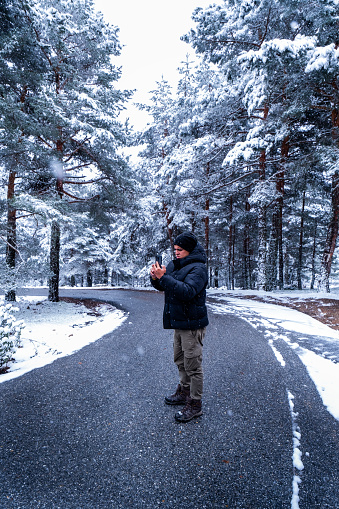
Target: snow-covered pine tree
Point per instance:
(223, 33)
(322, 78)
(21, 71)
(158, 139)
(263, 49)
(304, 113)
(76, 115)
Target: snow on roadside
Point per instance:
(325, 375)
(323, 371)
(56, 329)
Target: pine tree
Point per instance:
(76, 115)
(20, 78)
(263, 51)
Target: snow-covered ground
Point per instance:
(57, 329)
(321, 358)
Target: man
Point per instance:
(184, 282)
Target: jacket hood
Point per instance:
(197, 255)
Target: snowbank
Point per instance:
(56, 329)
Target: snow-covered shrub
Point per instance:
(10, 332)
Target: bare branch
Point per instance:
(11, 246)
(73, 168)
(233, 41)
(266, 27)
(45, 142)
(71, 182)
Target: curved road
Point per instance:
(91, 430)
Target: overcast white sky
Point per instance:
(150, 31)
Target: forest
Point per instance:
(244, 152)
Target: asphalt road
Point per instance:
(91, 430)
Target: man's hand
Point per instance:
(156, 271)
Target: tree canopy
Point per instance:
(243, 151)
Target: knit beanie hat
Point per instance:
(187, 241)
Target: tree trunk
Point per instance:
(246, 250)
(216, 277)
(275, 266)
(207, 231)
(262, 227)
(314, 250)
(272, 255)
(332, 231)
(89, 278)
(53, 294)
(280, 185)
(301, 241)
(207, 220)
(261, 283)
(168, 224)
(106, 276)
(331, 239)
(215, 259)
(233, 257)
(11, 247)
(231, 249)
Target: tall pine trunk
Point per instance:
(89, 278)
(11, 247)
(168, 225)
(207, 231)
(207, 221)
(261, 283)
(275, 266)
(262, 226)
(301, 242)
(331, 238)
(272, 255)
(53, 293)
(247, 281)
(262, 231)
(280, 187)
(54, 256)
(164, 204)
(231, 240)
(216, 277)
(332, 230)
(314, 250)
(279, 220)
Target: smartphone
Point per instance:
(158, 258)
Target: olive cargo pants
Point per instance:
(187, 347)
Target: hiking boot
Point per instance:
(179, 397)
(191, 410)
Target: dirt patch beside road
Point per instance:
(324, 310)
(92, 305)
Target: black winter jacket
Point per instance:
(184, 285)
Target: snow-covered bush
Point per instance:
(10, 332)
